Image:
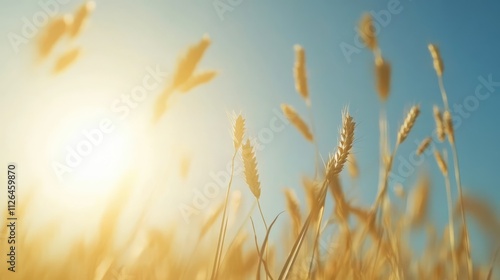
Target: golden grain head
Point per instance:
(441, 162)
(448, 126)
(337, 161)
(80, 17)
(436, 59)
(297, 122)
(408, 123)
(238, 131)
(420, 201)
(382, 78)
(438, 118)
(424, 145)
(299, 72)
(250, 169)
(66, 59)
(52, 33)
(189, 61)
(367, 31)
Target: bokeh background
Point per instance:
(252, 50)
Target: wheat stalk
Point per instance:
(337, 161)
(197, 80)
(367, 31)
(187, 63)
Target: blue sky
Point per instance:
(252, 49)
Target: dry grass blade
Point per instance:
(297, 121)
(80, 18)
(436, 59)
(187, 64)
(238, 131)
(367, 31)
(264, 247)
(299, 72)
(382, 78)
(423, 146)
(490, 272)
(197, 80)
(250, 164)
(407, 125)
(438, 118)
(65, 60)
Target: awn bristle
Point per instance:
(299, 72)
(383, 78)
(250, 164)
(367, 31)
(436, 58)
(238, 131)
(196, 80)
(187, 64)
(337, 161)
(424, 145)
(441, 162)
(410, 119)
(448, 126)
(80, 17)
(438, 117)
(297, 121)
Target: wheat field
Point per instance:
(323, 232)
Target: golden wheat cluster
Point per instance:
(362, 242)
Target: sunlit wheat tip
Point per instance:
(424, 145)
(438, 118)
(293, 207)
(297, 121)
(238, 131)
(337, 161)
(66, 59)
(300, 74)
(367, 31)
(441, 162)
(187, 63)
(250, 169)
(407, 125)
(448, 126)
(436, 59)
(383, 78)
